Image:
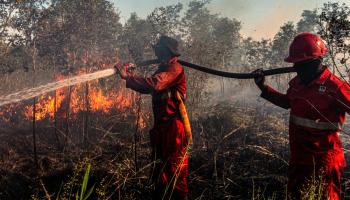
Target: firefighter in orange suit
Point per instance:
(318, 101)
(168, 137)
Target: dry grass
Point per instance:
(239, 153)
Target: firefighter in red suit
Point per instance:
(318, 101)
(168, 138)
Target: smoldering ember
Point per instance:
(199, 99)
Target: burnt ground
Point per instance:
(239, 153)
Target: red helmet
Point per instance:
(306, 46)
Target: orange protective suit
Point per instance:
(317, 112)
(168, 137)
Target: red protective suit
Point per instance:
(168, 138)
(316, 116)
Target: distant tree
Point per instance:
(281, 42)
(7, 9)
(166, 20)
(199, 47)
(257, 54)
(18, 33)
(137, 39)
(226, 41)
(79, 29)
(280, 50)
(60, 32)
(210, 40)
(269, 53)
(308, 22)
(335, 30)
(226, 38)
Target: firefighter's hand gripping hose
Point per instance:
(212, 71)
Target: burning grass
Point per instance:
(231, 151)
(239, 153)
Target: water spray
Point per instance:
(33, 92)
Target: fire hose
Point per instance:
(269, 72)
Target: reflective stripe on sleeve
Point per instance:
(315, 124)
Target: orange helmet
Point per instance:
(306, 46)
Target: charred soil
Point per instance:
(238, 153)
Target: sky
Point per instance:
(259, 18)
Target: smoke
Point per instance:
(235, 91)
(243, 93)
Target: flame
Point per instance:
(98, 101)
(45, 108)
(142, 124)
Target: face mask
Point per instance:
(309, 70)
(162, 52)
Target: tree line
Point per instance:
(69, 35)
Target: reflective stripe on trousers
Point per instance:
(308, 123)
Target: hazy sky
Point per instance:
(260, 18)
